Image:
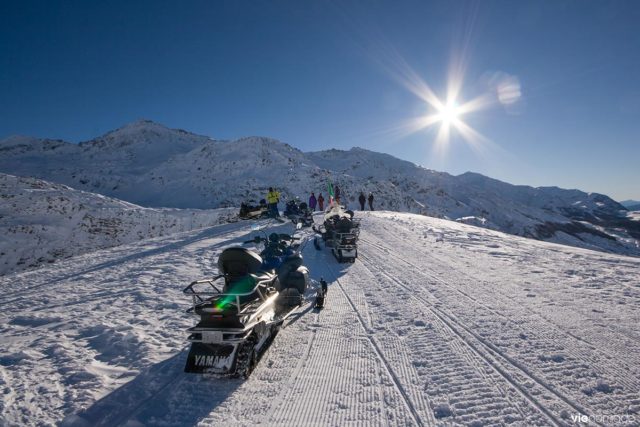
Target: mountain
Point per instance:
(150, 165)
(41, 222)
(632, 205)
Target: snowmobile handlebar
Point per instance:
(255, 240)
(273, 238)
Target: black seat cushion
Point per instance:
(238, 262)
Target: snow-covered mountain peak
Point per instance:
(362, 163)
(139, 147)
(147, 134)
(139, 126)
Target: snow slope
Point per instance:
(41, 222)
(153, 166)
(437, 323)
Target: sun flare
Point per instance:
(449, 112)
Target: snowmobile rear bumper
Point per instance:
(211, 358)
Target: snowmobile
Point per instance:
(299, 213)
(241, 310)
(248, 211)
(339, 231)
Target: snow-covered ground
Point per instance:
(437, 323)
(41, 222)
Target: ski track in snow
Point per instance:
(437, 323)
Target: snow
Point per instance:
(152, 166)
(41, 222)
(436, 323)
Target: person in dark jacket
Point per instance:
(371, 201)
(320, 202)
(362, 199)
(312, 202)
(337, 192)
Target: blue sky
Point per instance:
(325, 74)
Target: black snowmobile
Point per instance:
(248, 211)
(339, 231)
(299, 213)
(241, 310)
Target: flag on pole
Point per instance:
(330, 191)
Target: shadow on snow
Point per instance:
(161, 395)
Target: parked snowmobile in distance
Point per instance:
(248, 211)
(299, 213)
(339, 232)
(241, 310)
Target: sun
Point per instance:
(449, 113)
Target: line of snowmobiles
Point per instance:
(339, 232)
(242, 309)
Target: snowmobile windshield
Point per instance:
(242, 287)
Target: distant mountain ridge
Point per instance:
(151, 165)
(632, 205)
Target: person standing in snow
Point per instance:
(320, 202)
(336, 191)
(371, 201)
(312, 202)
(362, 199)
(273, 197)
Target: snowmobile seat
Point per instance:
(344, 225)
(238, 262)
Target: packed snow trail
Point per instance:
(436, 323)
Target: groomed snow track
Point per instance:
(436, 323)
